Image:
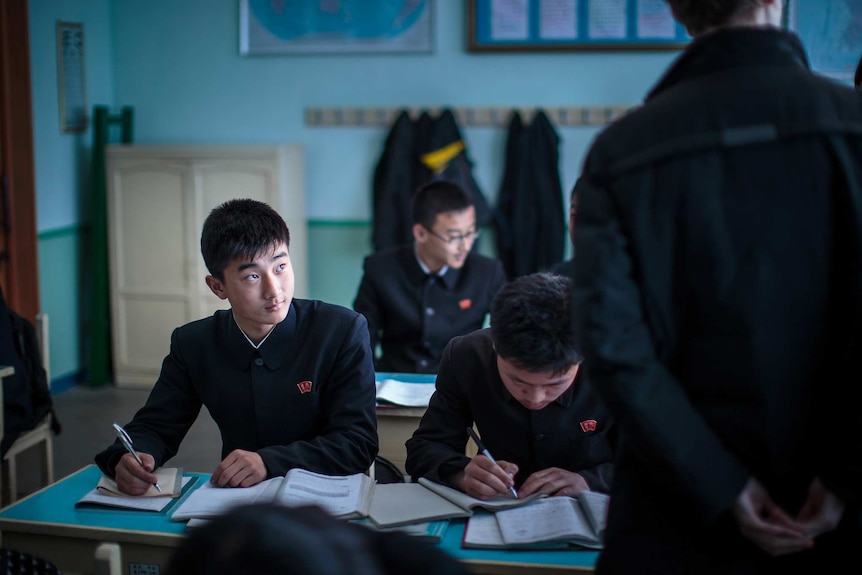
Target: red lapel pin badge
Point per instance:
(305, 387)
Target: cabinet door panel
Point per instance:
(149, 230)
(147, 324)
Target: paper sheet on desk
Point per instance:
(402, 393)
(94, 497)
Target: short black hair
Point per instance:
(531, 323)
(437, 197)
(274, 539)
(700, 15)
(240, 228)
(269, 539)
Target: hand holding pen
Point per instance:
(484, 451)
(127, 443)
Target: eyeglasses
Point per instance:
(454, 239)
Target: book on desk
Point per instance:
(550, 523)
(106, 493)
(404, 390)
(48, 524)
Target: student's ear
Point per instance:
(420, 234)
(216, 287)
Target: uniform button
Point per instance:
(423, 362)
(258, 362)
(429, 311)
(540, 436)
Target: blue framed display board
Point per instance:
(526, 25)
(830, 32)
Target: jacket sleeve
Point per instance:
(160, 425)
(367, 303)
(437, 447)
(347, 440)
(600, 477)
(660, 425)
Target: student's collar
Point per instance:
(279, 339)
(248, 339)
(425, 268)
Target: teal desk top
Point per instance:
(55, 506)
(407, 377)
(53, 509)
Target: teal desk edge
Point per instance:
(407, 377)
(55, 506)
(574, 558)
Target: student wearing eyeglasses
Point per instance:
(417, 297)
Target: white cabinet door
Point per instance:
(158, 198)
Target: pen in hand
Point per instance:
(484, 451)
(127, 443)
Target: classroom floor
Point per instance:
(86, 415)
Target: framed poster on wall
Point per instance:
(562, 25)
(70, 77)
(268, 27)
(831, 31)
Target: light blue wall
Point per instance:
(62, 159)
(62, 164)
(177, 63)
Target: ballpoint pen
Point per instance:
(484, 451)
(127, 443)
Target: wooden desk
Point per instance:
(395, 425)
(47, 525)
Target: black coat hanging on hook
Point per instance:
(529, 215)
(415, 153)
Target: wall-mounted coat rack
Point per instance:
(485, 116)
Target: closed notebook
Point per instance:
(169, 480)
(398, 504)
(469, 503)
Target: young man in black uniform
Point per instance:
(290, 383)
(417, 297)
(718, 298)
(518, 383)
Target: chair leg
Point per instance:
(49, 462)
(12, 479)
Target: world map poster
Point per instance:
(335, 26)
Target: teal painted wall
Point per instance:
(59, 254)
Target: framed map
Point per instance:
(831, 31)
(330, 26)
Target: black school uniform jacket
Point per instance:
(575, 432)
(305, 398)
(413, 316)
(717, 288)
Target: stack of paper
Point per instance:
(403, 393)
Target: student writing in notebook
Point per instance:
(518, 383)
(289, 382)
(417, 297)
